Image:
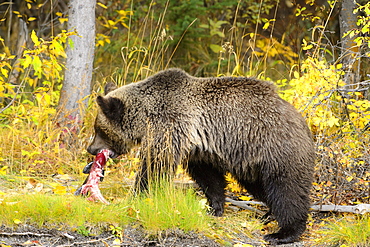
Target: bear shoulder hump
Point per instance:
(168, 78)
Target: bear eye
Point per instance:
(101, 133)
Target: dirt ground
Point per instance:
(31, 236)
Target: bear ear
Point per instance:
(110, 86)
(111, 107)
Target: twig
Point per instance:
(87, 242)
(25, 234)
(65, 234)
(12, 101)
(16, 94)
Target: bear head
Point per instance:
(117, 114)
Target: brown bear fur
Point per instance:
(213, 126)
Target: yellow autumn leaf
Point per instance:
(60, 190)
(17, 221)
(102, 5)
(100, 42)
(112, 24)
(339, 66)
(266, 25)
(4, 72)
(333, 121)
(37, 64)
(34, 38)
(124, 12)
(62, 20)
(132, 175)
(242, 245)
(26, 61)
(245, 198)
(3, 170)
(116, 242)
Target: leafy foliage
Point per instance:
(360, 35)
(29, 132)
(337, 120)
(338, 115)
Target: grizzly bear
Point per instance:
(214, 126)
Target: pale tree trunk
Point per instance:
(80, 57)
(350, 55)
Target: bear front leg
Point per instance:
(212, 182)
(141, 179)
(152, 173)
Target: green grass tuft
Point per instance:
(168, 207)
(347, 232)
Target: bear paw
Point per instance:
(280, 238)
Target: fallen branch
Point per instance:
(87, 242)
(356, 209)
(244, 205)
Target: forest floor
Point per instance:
(31, 236)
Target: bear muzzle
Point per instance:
(95, 151)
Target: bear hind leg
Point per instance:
(289, 209)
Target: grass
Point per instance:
(347, 232)
(160, 209)
(54, 210)
(168, 207)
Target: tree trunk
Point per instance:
(80, 57)
(350, 56)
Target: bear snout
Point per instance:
(95, 151)
(92, 150)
